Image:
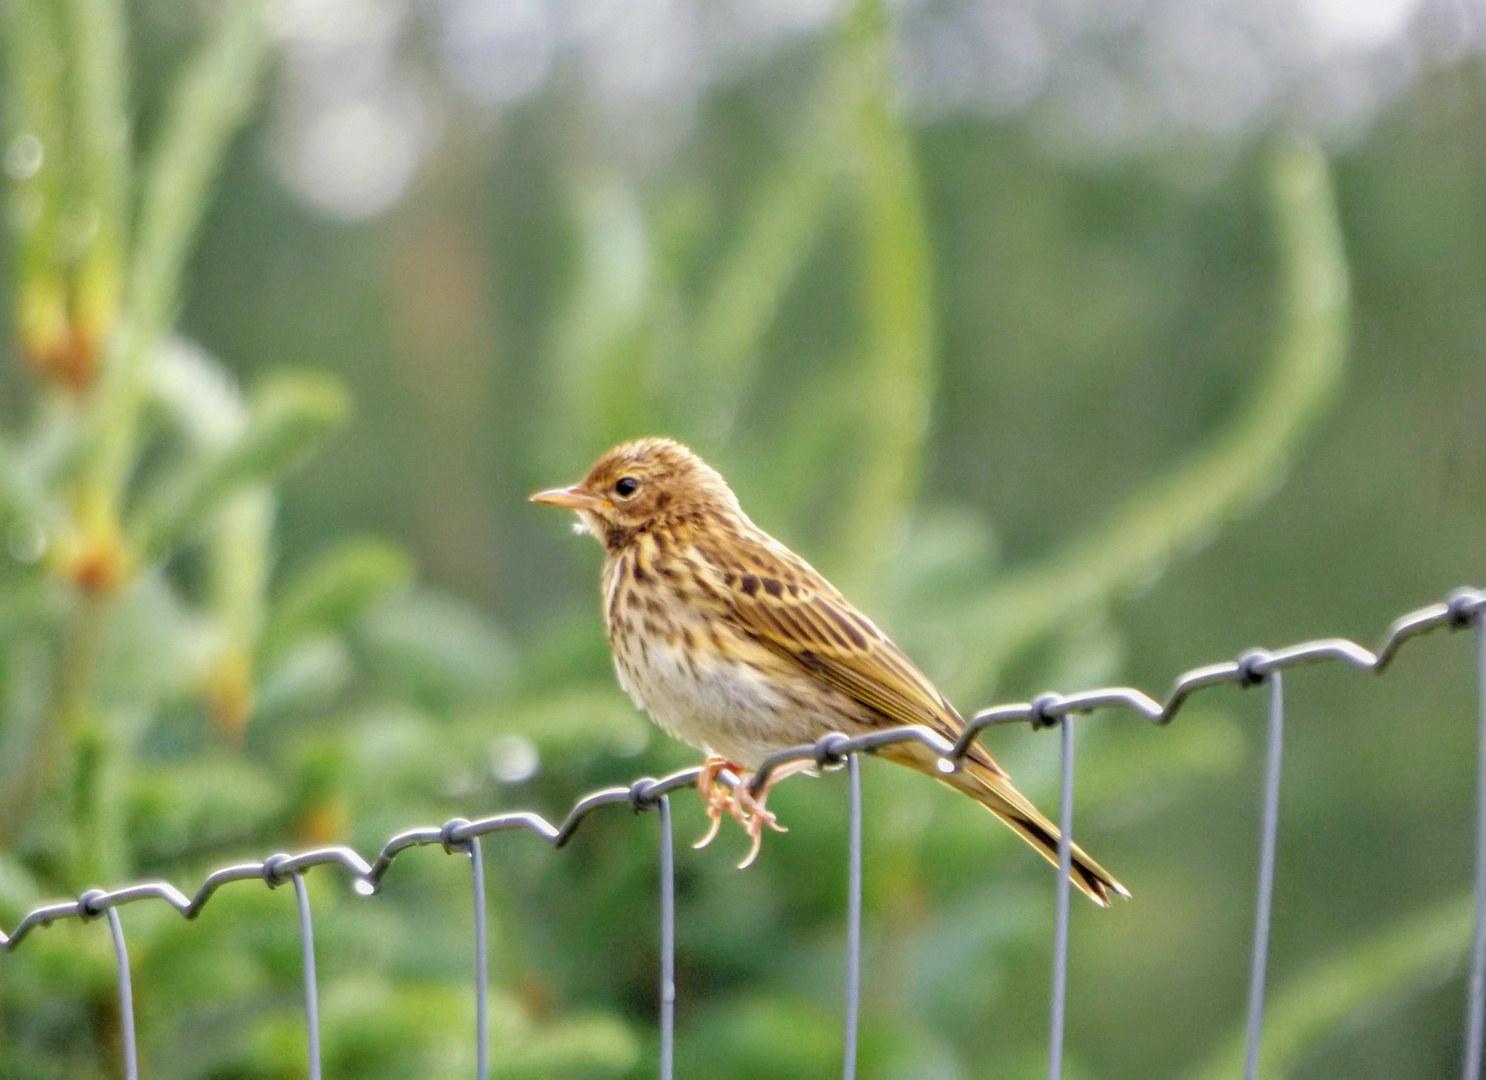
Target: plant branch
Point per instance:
(101, 169)
(209, 105)
(897, 373)
(1236, 469)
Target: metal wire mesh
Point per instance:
(1465, 607)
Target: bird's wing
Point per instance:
(785, 605)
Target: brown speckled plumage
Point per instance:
(734, 644)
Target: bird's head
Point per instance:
(640, 485)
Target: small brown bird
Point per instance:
(734, 644)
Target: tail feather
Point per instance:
(990, 787)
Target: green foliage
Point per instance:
(153, 669)
(863, 319)
(1188, 505)
(896, 373)
(335, 588)
(286, 420)
(1313, 1004)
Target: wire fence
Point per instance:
(1465, 607)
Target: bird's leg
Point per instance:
(717, 796)
(753, 806)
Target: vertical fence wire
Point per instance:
(667, 939)
(1268, 830)
(482, 960)
(1060, 932)
(1476, 994)
(126, 998)
(311, 995)
(853, 914)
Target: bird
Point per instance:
(736, 645)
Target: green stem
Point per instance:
(897, 373)
(1238, 466)
(240, 564)
(35, 130)
(239, 584)
(95, 792)
(778, 234)
(101, 106)
(67, 716)
(209, 105)
(101, 126)
(71, 718)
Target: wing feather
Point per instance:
(784, 604)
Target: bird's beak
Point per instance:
(571, 498)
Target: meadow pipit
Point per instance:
(733, 643)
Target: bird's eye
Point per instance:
(626, 486)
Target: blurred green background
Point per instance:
(1079, 342)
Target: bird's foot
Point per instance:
(718, 797)
(747, 808)
(757, 815)
(753, 805)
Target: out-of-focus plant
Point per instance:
(1242, 462)
(97, 282)
(152, 666)
(167, 699)
(1317, 1001)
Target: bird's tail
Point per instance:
(990, 787)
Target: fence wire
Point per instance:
(1464, 607)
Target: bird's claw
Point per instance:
(747, 809)
(711, 834)
(754, 848)
(718, 797)
(758, 817)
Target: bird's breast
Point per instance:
(705, 682)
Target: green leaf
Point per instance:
(19, 892)
(575, 720)
(207, 108)
(436, 649)
(594, 1045)
(1328, 992)
(375, 1029)
(335, 587)
(781, 1037)
(290, 415)
(157, 649)
(198, 394)
(209, 802)
(1140, 768)
(304, 677)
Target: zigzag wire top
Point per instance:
(829, 751)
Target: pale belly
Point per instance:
(728, 707)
